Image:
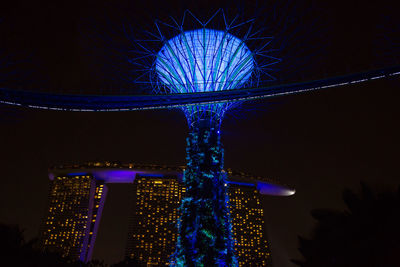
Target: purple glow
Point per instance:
(115, 176)
(97, 224)
(274, 189)
(128, 176)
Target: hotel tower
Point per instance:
(77, 195)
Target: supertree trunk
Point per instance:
(204, 226)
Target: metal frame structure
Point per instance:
(204, 71)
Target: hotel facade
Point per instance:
(77, 194)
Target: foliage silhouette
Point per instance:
(16, 251)
(128, 262)
(367, 234)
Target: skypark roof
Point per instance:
(126, 173)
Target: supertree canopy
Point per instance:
(209, 61)
(204, 60)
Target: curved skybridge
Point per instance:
(93, 103)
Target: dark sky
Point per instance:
(319, 142)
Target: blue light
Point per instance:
(112, 103)
(77, 173)
(204, 60)
(240, 183)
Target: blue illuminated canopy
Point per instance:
(204, 60)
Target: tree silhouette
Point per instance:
(16, 251)
(128, 262)
(367, 234)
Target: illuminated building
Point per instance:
(248, 226)
(155, 211)
(152, 234)
(201, 59)
(77, 196)
(75, 206)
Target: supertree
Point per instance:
(188, 61)
(205, 59)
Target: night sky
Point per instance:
(319, 142)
